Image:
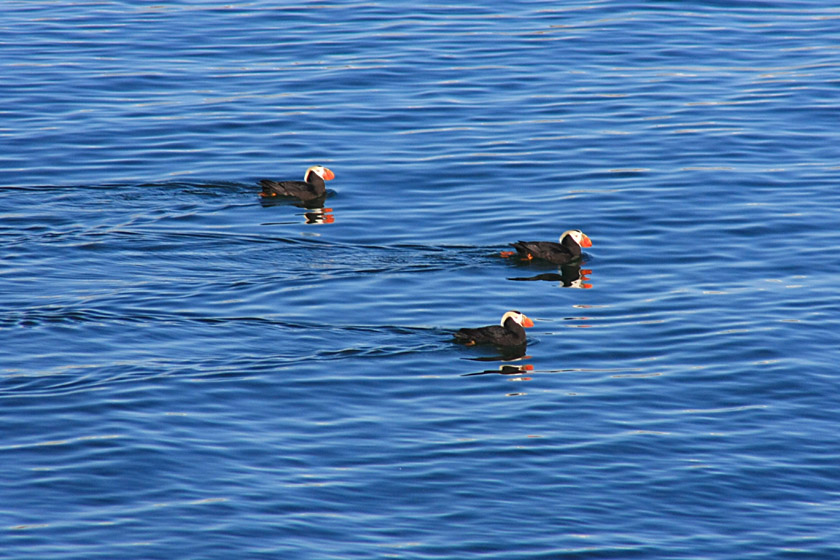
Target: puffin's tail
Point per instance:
(463, 336)
(522, 250)
(271, 188)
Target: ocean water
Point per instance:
(189, 371)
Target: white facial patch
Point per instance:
(515, 315)
(575, 234)
(316, 169)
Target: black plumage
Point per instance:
(510, 333)
(567, 250)
(311, 188)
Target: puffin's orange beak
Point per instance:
(585, 241)
(328, 175)
(527, 322)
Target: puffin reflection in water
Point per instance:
(567, 250)
(567, 275)
(515, 371)
(319, 216)
(509, 336)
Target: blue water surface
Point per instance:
(189, 371)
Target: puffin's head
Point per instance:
(320, 171)
(518, 317)
(578, 237)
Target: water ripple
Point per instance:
(184, 366)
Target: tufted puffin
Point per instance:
(567, 250)
(312, 187)
(511, 333)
